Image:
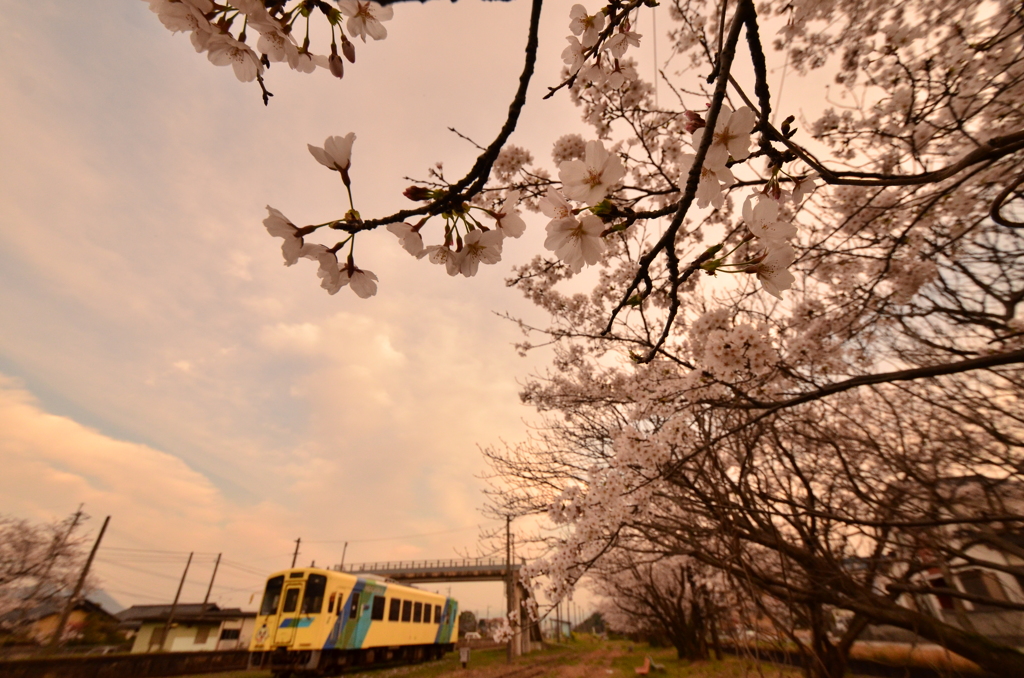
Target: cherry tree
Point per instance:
(38, 563)
(801, 349)
(671, 600)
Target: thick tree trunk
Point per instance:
(1000, 660)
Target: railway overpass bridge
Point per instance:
(461, 570)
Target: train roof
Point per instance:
(365, 576)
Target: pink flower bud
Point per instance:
(336, 66)
(348, 49)
(417, 193)
(693, 121)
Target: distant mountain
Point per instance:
(106, 601)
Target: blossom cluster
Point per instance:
(209, 26)
(595, 59)
(577, 240)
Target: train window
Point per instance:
(437, 614)
(313, 601)
(353, 611)
(378, 608)
(406, 610)
(296, 575)
(291, 599)
(417, 612)
(272, 596)
(426, 613)
(396, 609)
(330, 603)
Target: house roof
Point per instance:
(135, 615)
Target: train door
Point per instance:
(288, 619)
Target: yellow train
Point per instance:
(316, 622)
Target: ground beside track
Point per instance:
(585, 658)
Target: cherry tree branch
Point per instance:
(477, 176)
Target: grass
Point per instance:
(603, 659)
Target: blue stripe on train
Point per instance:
(296, 622)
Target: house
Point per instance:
(194, 628)
(87, 623)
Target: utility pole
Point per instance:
(70, 605)
(343, 552)
(508, 581)
(56, 547)
(209, 588)
(174, 605)
(295, 556)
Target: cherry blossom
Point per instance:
(762, 220)
(590, 180)
(713, 180)
(620, 73)
(224, 50)
(278, 225)
(732, 136)
(568, 147)
(480, 246)
(363, 283)
(773, 269)
(803, 187)
(620, 42)
(307, 63)
(365, 18)
(186, 16)
(443, 254)
(583, 24)
(554, 205)
(408, 235)
(572, 55)
(336, 153)
(576, 241)
(510, 224)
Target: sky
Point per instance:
(160, 365)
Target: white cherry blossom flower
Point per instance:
(363, 283)
(732, 136)
(277, 43)
(336, 153)
(762, 220)
(224, 50)
(307, 63)
(713, 181)
(773, 270)
(555, 205)
(279, 226)
(583, 24)
(365, 18)
(620, 42)
(186, 16)
(510, 224)
(442, 254)
(412, 241)
(620, 73)
(590, 180)
(576, 241)
(329, 271)
(803, 187)
(572, 56)
(480, 246)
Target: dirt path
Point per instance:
(572, 665)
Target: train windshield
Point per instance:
(314, 600)
(272, 596)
